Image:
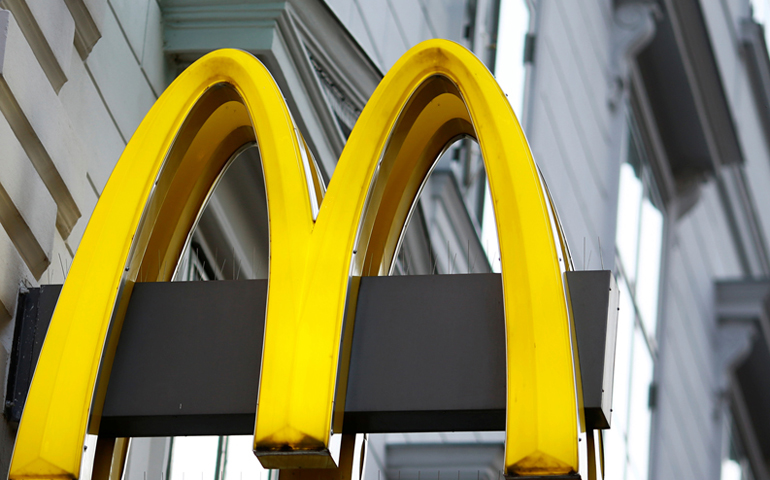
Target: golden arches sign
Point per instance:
(436, 92)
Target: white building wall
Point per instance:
(568, 121)
(569, 126)
(689, 417)
(685, 442)
(388, 28)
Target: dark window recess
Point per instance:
(652, 401)
(529, 48)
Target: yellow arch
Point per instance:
(139, 227)
(436, 92)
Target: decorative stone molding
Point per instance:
(632, 30)
(742, 308)
(734, 341)
(37, 41)
(299, 42)
(20, 88)
(86, 28)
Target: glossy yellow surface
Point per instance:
(435, 93)
(138, 230)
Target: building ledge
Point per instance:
(682, 80)
(324, 73)
(743, 313)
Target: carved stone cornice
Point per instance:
(324, 72)
(633, 28)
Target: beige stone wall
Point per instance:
(76, 78)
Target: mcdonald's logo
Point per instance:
(319, 240)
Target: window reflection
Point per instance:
(731, 470)
(240, 462)
(621, 380)
(639, 410)
(735, 464)
(214, 458)
(194, 458)
(647, 283)
(614, 453)
(629, 204)
(639, 246)
(147, 458)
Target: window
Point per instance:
(735, 465)
(215, 458)
(760, 10)
(639, 242)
